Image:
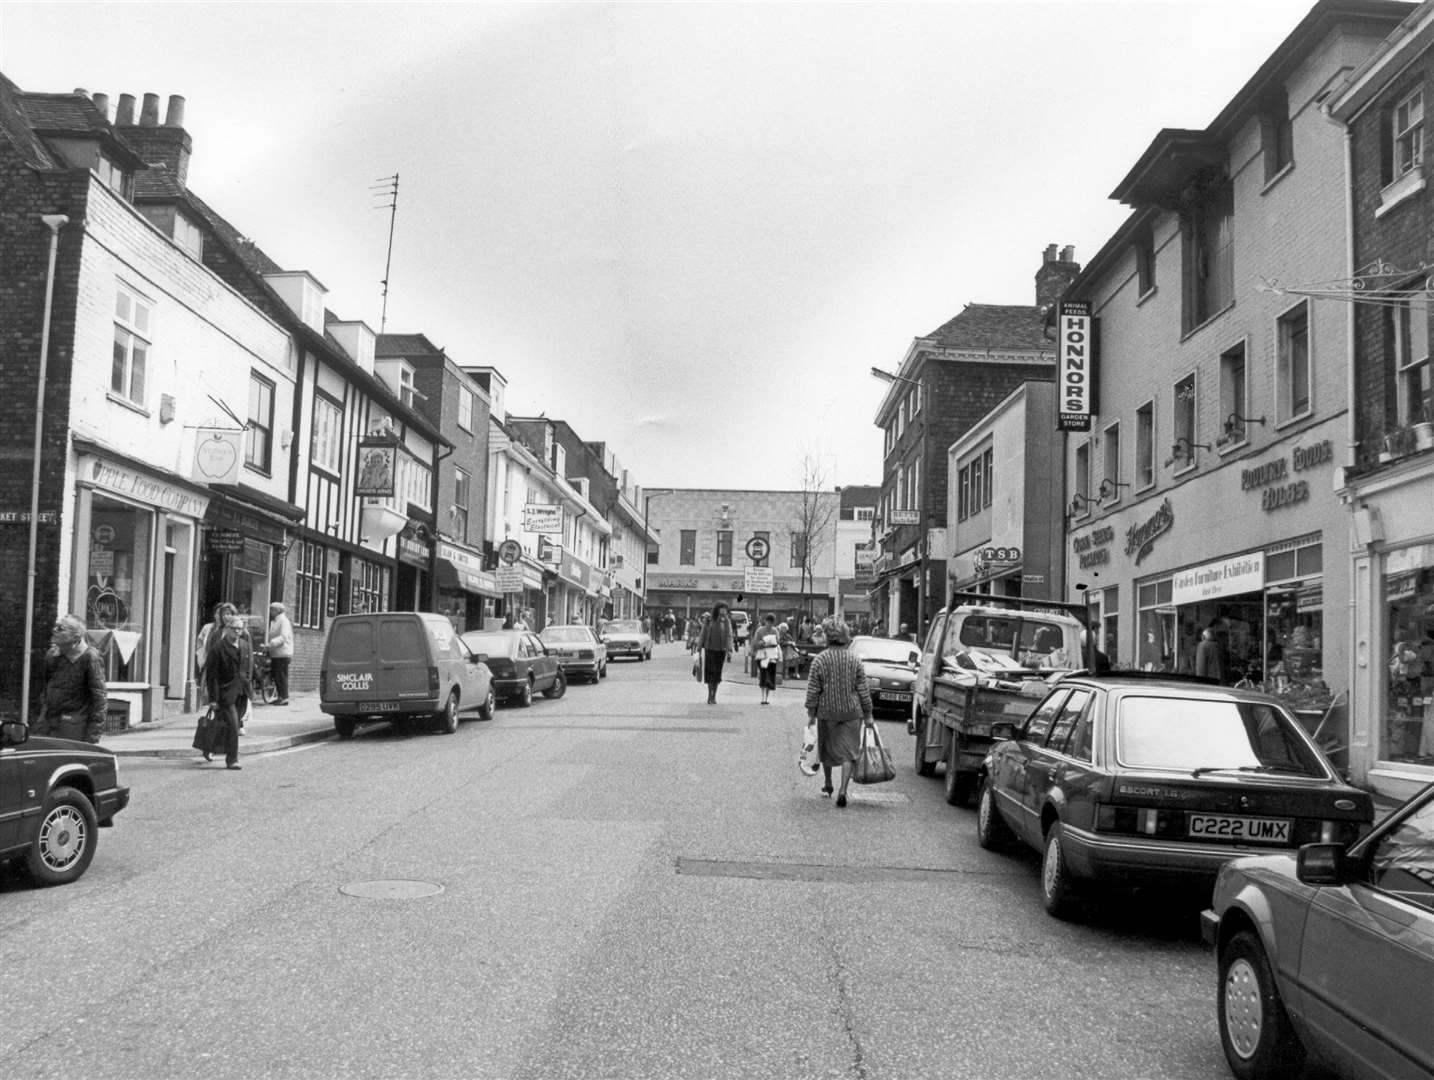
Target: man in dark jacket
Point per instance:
(75, 697)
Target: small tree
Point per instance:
(811, 531)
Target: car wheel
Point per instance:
(345, 725)
(448, 718)
(525, 693)
(485, 711)
(992, 832)
(958, 783)
(559, 687)
(1059, 892)
(923, 767)
(1255, 1030)
(602, 671)
(65, 841)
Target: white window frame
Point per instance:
(1234, 396)
(465, 409)
(1411, 356)
(326, 441)
(1081, 501)
(1110, 460)
(1184, 412)
(253, 459)
(1285, 390)
(189, 236)
(1145, 475)
(1407, 124)
(134, 323)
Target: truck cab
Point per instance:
(986, 659)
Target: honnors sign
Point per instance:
(1272, 478)
(1075, 366)
(1140, 538)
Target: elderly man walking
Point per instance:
(75, 695)
(281, 650)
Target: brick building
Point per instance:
(1202, 487)
(947, 381)
(1389, 481)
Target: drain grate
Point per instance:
(391, 889)
(854, 875)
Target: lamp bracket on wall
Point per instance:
(1235, 422)
(1183, 449)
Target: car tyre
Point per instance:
(958, 783)
(64, 844)
(1255, 1031)
(490, 703)
(345, 725)
(525, 693)
(602, 671)
(992, 832)
(559, 687)
(1059, 891)
(923, 767)
(448, 718)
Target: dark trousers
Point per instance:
(228, 734)
(279, 668)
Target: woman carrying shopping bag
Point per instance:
(767, 651)
(839, 700)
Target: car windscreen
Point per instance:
(624, 626)
(565, 633)
(489, 644)
(895, 652)
(1210, 735)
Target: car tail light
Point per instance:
(433, 685)
(1139, 820)
(323, 680)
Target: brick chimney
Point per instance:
(166, 144)
(1055, 275)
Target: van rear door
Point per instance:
(377, 659)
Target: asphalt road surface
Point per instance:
(624, 883)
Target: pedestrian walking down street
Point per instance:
(281, 650)
(694, 631)
(839, 701)
(767, 650)
(669, 624)
(228, 669)
(75, 696)
(716, 644)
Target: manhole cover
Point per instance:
(399, 889)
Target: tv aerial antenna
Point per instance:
(386, 189)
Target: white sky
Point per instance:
(688, 230)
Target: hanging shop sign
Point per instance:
(1093, 549)
(378, 467)
(997, 558)
(224, 540)
(1227, 577)
(543, 518)
(1075, 366)
(1139, 539)
(217, 454)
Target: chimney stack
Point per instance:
(102, 103)
(168, 145)
(1055, 275)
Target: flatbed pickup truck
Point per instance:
(987, 659)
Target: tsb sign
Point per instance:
(1075, 366)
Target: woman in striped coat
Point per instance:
(839, 702)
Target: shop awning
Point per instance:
(453, 575)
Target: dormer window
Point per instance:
(110, 174)
(188, 236)
(406, 389)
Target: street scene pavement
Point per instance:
(625, 882)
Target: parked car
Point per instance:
(1329, 952)
(398, 666)
(521, 664)
(579, 651)
(55, 794)
(741, 627)
(626, 637)
(1131, 778)
(890, 667)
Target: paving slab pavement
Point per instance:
(268, 728)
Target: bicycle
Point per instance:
(264, 686)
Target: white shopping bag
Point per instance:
(810, 761)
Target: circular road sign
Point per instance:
(510, 551)
(758, 548)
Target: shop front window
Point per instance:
(1156, 649)
(117, 584)
(250, 583)
(1409, 705)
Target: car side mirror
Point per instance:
(1322, 864)
(913, 658)
(14, 733)
(1003, 729)
(481, 657)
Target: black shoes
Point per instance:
(208, 756)
(236, 765)
(841, 799)
(827, 790)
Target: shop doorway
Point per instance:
(1238, 626)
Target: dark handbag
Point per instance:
(873, 762)
(697, 665)
(204, 731)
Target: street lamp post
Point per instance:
(54, 222)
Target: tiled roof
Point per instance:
(157, 182)
(63, 113)
(994, 326)
(242, 246)
(405, 345)
(15, 128)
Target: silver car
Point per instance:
(1329, 953)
